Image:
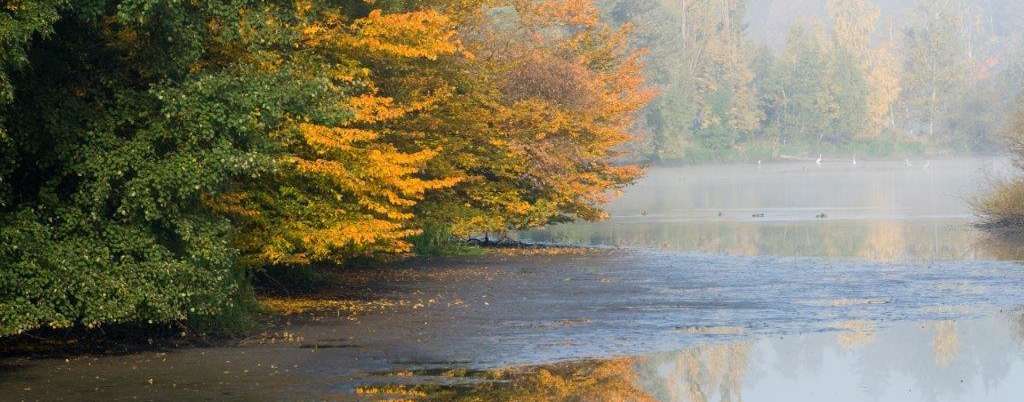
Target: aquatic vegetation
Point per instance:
(1003, 207)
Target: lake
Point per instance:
(779, 282)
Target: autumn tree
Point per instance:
(884, 82)
(667, 124)
(934, 59)
(853, 23)
(340, 188)
(545, 96)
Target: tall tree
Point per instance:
(810, 107)
(853, 22)
(935, 62)
(884, 81)
(720, 68)
(546, 104)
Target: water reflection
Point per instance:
(855, 334)
(973, 360)
(881, 241)
(879, 212)
(970, 360)
(714, 372)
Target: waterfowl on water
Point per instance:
(818, 162)
(758, 215)
(821, 216)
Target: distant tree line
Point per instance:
(939, 79)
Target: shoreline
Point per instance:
(344, 291)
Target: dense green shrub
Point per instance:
(108, 140)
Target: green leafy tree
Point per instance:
(111, 139)
(935, 63)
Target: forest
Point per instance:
(748, 80)
(154, 154)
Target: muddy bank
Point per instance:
(359, 323)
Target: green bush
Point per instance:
(437, 240)
(58, 278)
(108, 144)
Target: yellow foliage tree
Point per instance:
(341, 189)
(884, 88)
(547, 96)
(477, 119)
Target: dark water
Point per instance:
(890, 296)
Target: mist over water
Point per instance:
(879, 211)
(842, 281)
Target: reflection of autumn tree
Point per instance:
(855, 334)
(724, 239)
(945, 343)
(748, 240)
(1017, 320)
(699, 374)
(611, 380)
(885, 242)
(1001, 247)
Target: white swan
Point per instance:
(855, 160)
(818, 162)
(907, 161)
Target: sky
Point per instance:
(771, 19)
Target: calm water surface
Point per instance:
(864, 235)
(882, 211)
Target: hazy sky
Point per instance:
(771, 19)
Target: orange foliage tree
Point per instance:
(339, 188)
(470, 116)
(540, 100)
